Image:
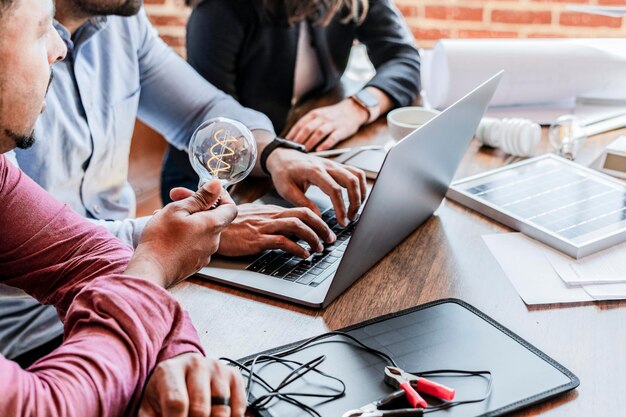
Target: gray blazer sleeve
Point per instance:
(391, 48)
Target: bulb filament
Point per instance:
(219, 150)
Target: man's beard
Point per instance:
(102, 8)
(21, 141)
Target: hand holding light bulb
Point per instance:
(222, 149)
(226, 150)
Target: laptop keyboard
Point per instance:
(313, 270)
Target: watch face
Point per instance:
(366, 98)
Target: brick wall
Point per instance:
(431, 20)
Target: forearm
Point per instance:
(52, 252)
(183, 338)
(114, 335)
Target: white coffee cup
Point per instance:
(405, 120)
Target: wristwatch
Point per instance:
(366, 100)
(275, 144)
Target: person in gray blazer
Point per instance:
(272, 54)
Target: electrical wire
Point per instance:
(298, 370)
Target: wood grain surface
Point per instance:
(445, 257)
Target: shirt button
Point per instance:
(96, 209)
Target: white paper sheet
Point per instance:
(606, 291)
(607, 266)
(524, 263)
(536, 70)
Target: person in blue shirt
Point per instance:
(117, 69)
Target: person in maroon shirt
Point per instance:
(128, 346)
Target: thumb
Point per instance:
(180, 193)
(203, 199)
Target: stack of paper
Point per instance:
(543, 78)
(542, 275)
(536, 71)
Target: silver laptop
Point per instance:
(411, 185)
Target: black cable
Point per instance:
(299, 370)
(306, 343)
(274, 393)
(452, 373)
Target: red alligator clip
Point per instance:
(411, 384)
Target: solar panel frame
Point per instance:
(465, 192)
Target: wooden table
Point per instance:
(445, 257)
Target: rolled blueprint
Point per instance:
(535, 70)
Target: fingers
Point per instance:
(360, 174)
(295, 131)
(222, 215)
(201, 200)
(328, 184)
(320, 131)
(331, 140)
(192, 385)
(220, 387)
(172, 391)
(306, 132)
(286, 244)
(218, 210)
(296, 227)
(351, 183)
(225, 198)
(199, 387)
(313, 221)
(296, 196)
(237, 393)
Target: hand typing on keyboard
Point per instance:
(313, 270)
(293, 172)
(261, 227)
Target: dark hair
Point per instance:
(318, 11)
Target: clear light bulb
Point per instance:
(565, 135)
(222, 149)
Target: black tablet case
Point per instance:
(445, 334)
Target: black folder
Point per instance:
(445, 334)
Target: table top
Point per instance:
(443, 258)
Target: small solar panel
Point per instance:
(567, 206)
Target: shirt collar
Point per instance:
(83, 33)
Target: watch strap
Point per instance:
(367, 101)
(275, 144)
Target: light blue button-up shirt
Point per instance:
(117, 69)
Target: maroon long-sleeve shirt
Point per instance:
(116, 327)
